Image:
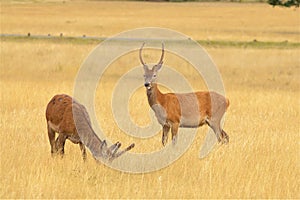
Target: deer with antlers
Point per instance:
(190, 110)
(71, 121)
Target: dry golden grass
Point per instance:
(261, 160)
(201, 21)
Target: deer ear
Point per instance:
(104, 144)
(157, 67)
(145, 68)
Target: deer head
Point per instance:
(151, 74)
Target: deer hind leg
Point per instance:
(225, 137)
(166, 129)
(174, 131)
(51, 135)
(219, 108)
(215, 126)
(83, 150)
(60, 144)
(220, 133)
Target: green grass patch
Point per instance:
(250, 44)
(206, 43)
(52, 39)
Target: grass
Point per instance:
(204, 43)
(200, 21)
(261, 160)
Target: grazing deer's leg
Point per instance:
(83, 151)
(166, 129)
(60, 144)
(174, 131)
(51, 135)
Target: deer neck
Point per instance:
(154, 95)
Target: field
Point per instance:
(262, 83)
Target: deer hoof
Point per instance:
(165, 141)
(225, 140)
(174, 140)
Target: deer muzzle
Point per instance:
(147, 85)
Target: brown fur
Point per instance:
(208, 113)
(71, 121)
(188, 110)
(172, 106)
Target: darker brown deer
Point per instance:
(71, 121)
(189, 110)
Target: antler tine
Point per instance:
(114, 148)
(162, 54)
(118, 154)
(141, 58)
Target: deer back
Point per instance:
(59, 114)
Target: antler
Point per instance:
(112, 152)
(161, 58)
(116, 154)
(162, 54)
(141, 59)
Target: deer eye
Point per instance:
(144, 76)
(154, 75)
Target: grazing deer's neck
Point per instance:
(154, 95)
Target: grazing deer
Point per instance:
(71, 121)
(190, 110)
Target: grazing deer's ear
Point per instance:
(103, 145)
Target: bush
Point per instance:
(285, 3)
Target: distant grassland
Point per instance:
(201, 21)
(261, 80)
(204, 43)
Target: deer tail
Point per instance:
(227, 103)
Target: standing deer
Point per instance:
(71, 121)
(190, 110)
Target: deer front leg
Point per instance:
(83, 151)
(166, 129)
(174, 131)
(51, 135)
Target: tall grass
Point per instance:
(260, 161)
